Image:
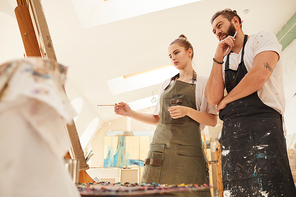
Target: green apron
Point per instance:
(176, 155)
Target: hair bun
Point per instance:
(183, 36)
(183, 42)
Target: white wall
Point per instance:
(289, 62)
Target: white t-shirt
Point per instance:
(200, 98)
(272, 92)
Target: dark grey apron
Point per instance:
(254, 155)
(176, 155)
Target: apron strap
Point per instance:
(243, 51)
(242, 57)
(155, 162)
(193, 79)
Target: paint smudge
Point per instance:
(225, 152)
(260, 147)
(226, 193)
(264, 193)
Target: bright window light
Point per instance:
(92, 13)
(144, 103)
(89, 132)
(140, 80)
(77, 104)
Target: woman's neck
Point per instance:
(186, 75)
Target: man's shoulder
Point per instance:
(263, 34)
(264, 41)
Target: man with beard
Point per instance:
(254, 155)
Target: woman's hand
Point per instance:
(178, 111)
(125, 110)
(122, 109)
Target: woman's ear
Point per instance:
(189, 51)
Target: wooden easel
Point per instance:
(219, 170)
(37, 42)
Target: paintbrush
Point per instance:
(110, 105)
(234, 37)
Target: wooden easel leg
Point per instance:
(27, 31)
(76, 149)
(219, 171)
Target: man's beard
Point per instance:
(231, 30)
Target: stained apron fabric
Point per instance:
(254, 155)
(177, 142)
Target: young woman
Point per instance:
(176, 155)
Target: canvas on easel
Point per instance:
(37, 42)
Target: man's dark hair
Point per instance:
(227, 13)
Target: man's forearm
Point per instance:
(215, 86)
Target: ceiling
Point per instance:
(97, 54)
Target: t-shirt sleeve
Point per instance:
(161, 90)
(266, 41)
(201, 100)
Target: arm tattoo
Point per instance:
(266, 65)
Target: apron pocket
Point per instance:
(191, 166)
(238, 157)
(156, 148)
(190, 151)
(178, 100)
(153, 166)
(190, 170)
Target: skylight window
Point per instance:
(144, 103)
(92, 13)
(140, 80)
(89, 132)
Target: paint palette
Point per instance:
(134, 189)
